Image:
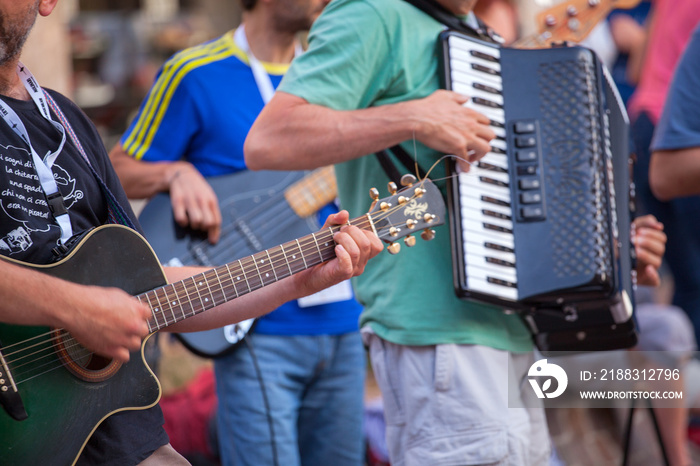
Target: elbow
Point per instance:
(660, 188)
(661, 182)
(254, 151)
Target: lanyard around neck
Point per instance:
(42, 165)
(262, 79)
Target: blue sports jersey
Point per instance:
(200, 109)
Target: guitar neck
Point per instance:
(308, 195)
(405, 212)
(178, 301)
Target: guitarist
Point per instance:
(192, 125)
(107, 321)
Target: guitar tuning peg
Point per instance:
(429, 218)
(428, 234)
(394, 248)
(392, 188)
(374, 194)
(408, 180)
(410, 241)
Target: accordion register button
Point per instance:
(526, 170)
(523, 127)
(529, 183)
(531, 198)
(525, 141)
(532, 212)
(526, 155)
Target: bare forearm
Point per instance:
(312, 136)
(675, 174)
(41, 301)
(142, 180)
(291, 134)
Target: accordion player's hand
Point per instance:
(446, 125)
(649, 244)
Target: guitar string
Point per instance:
(257, 220)
(224, 245)
(21, 377)
(232, 242)
(308, 246)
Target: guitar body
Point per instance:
(64, 409)
(255, 216)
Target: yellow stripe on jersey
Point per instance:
(159, 97)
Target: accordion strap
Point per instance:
(442, 15)
(384, 157)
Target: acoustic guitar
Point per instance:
(55, 393)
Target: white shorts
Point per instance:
(448, 405)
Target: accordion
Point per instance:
(541, 225)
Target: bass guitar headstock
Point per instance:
(571, 21)
(418, 206)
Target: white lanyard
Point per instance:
(41, 165)
(262, 79)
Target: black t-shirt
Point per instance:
(28, 232)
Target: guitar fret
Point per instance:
(245, 277)
(199, 296)
(206, 302)
(255, 262)
(221, 286)
(150, 328)
(184, 294)
(216, 293)
(272, 265)
(286, 259)
(171, 303)
(233, 282)
(162, 298)
(301, 253)
(159, 309)
(181, 295)
(320, 255)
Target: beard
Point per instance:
(14, 32)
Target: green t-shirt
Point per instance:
(366, 53)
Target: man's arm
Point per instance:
(193, 200)
(107, 320)
(291, 133)
(675, 173)
(354, 248)
(111, 322)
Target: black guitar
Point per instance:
(259, 210)
(55, 393)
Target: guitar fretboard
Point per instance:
(178, 301)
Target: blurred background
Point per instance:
(104, 53)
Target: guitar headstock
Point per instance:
(571, 21)
(418, 206)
